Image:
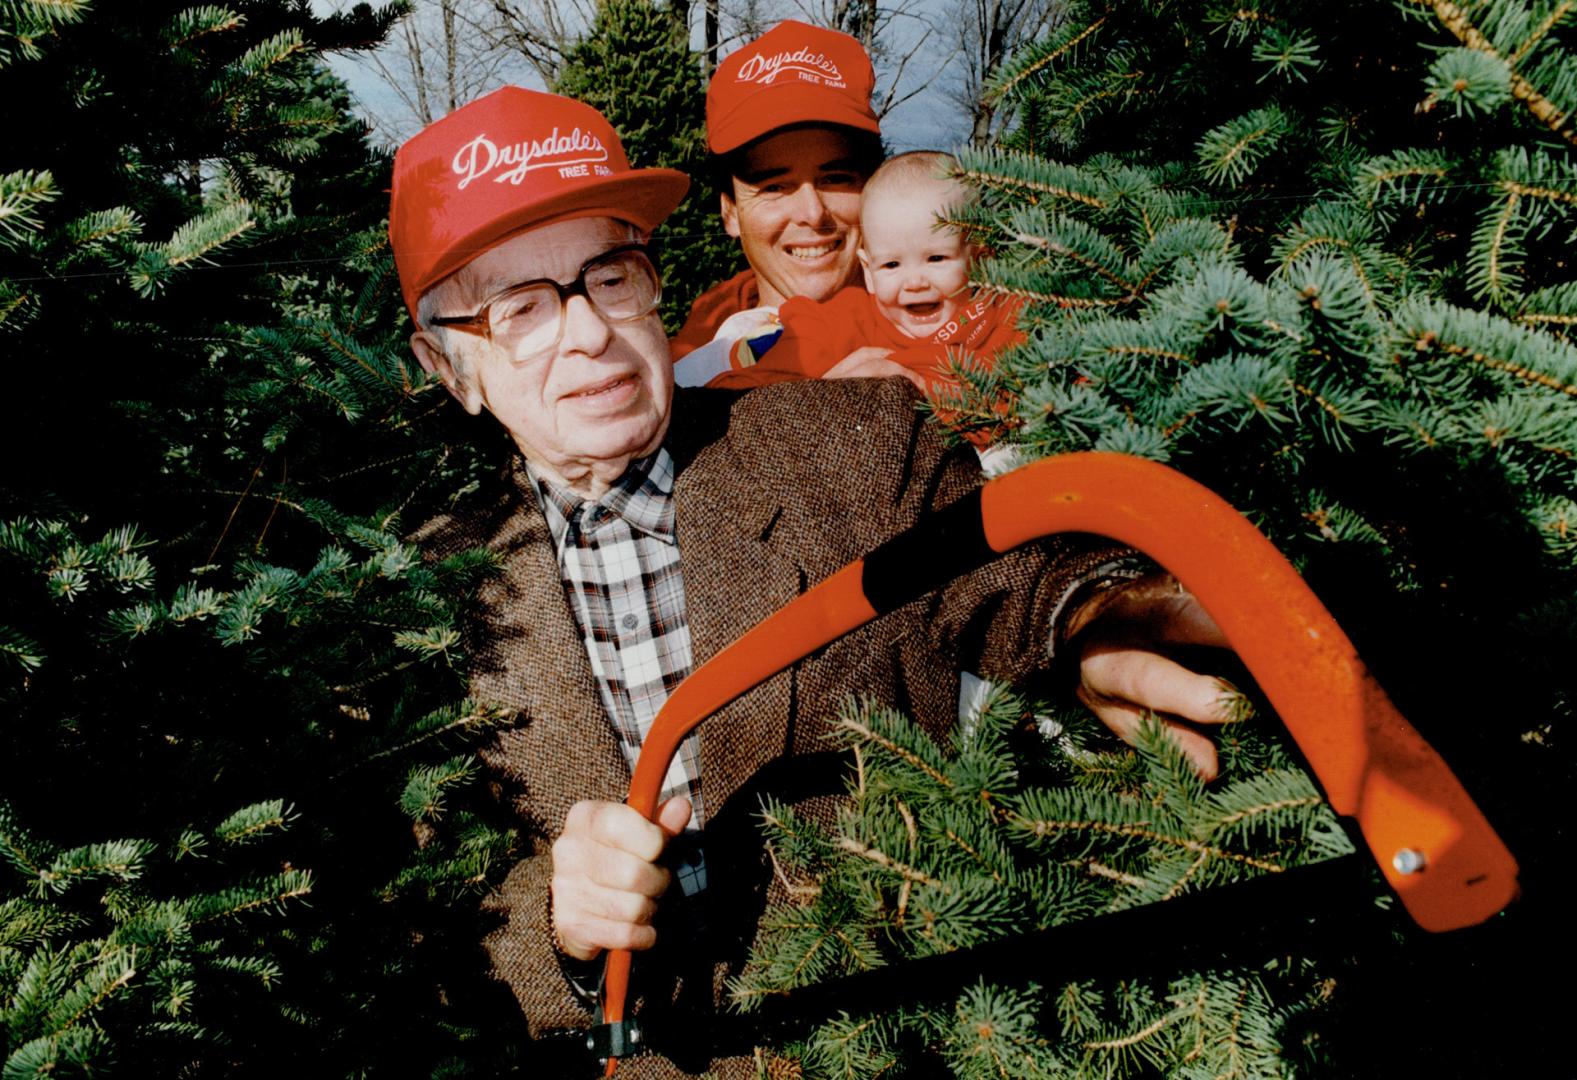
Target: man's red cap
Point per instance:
(508, 161)
(793, 74)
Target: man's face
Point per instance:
(917, 273)
(796, 211)
(592, 403)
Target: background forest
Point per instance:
(1315, 257)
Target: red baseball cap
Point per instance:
(795, 73)
(508, 161)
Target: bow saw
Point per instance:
(1433, 846)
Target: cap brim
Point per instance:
(773, 108)
(643, 197)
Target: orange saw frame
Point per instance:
(1431, 842)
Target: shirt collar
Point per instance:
(642, 498)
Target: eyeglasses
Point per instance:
(527, 320)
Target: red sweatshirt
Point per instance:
(816, 335)
(738, 293)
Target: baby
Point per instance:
(916, 302)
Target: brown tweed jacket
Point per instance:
(776, 490)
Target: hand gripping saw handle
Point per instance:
(1433, 845)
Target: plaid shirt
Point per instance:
(619, 562)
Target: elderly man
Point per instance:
(793, 140)
(640, 530)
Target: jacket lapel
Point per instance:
(736, 572)
(737, 568)
(562, 748)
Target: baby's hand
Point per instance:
(871, 362)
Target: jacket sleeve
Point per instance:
(519, 941)
(862, 444)
(1003, 620)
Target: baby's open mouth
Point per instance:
(925, 310)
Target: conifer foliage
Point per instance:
(1311, 258)
(1314, 256)
(236, 827)
(1003, 834)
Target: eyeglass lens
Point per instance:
(528, 320)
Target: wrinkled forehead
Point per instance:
(557, 251)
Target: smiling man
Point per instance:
(793, 138)
(916, 305)
(639, 530)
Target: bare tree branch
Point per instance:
(993, 31)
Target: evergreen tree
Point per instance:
(635, 67)
(1009, 831)
(232, 730)
(1313, 256)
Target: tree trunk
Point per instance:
(980, 128)
(709, 46)
(450, 65)
(413, 50)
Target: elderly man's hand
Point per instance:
(606, 880)
(1122, 676)
(871, 362)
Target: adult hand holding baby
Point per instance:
(872, 362)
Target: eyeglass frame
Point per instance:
(481, 323)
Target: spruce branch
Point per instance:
(25, 854)
(15, 307)
(888, 863)
(1229, 153)
(1044, 826)
(1062, 237)
(864, 727)
(994, 1034)
(1553, 306)
(1401, 178)
(269, 893)
(1291, 55)
(361, 361)
(1472, 81)
(1459, 22)
(116, 860)
(198, 22)
(1427, 329)
(467, 718)
(93, 229)
(202, 236)
(43, 1057)
(856, 1047)
(1531, 40)
(1498, 252)
(21, 196)
(253, 823)
(255, 64)
(58, 12)
(1012, 75)
(426, 791)
(19, 651)
(1011, 171)
(109, 973)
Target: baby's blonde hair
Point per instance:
(905, 175)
